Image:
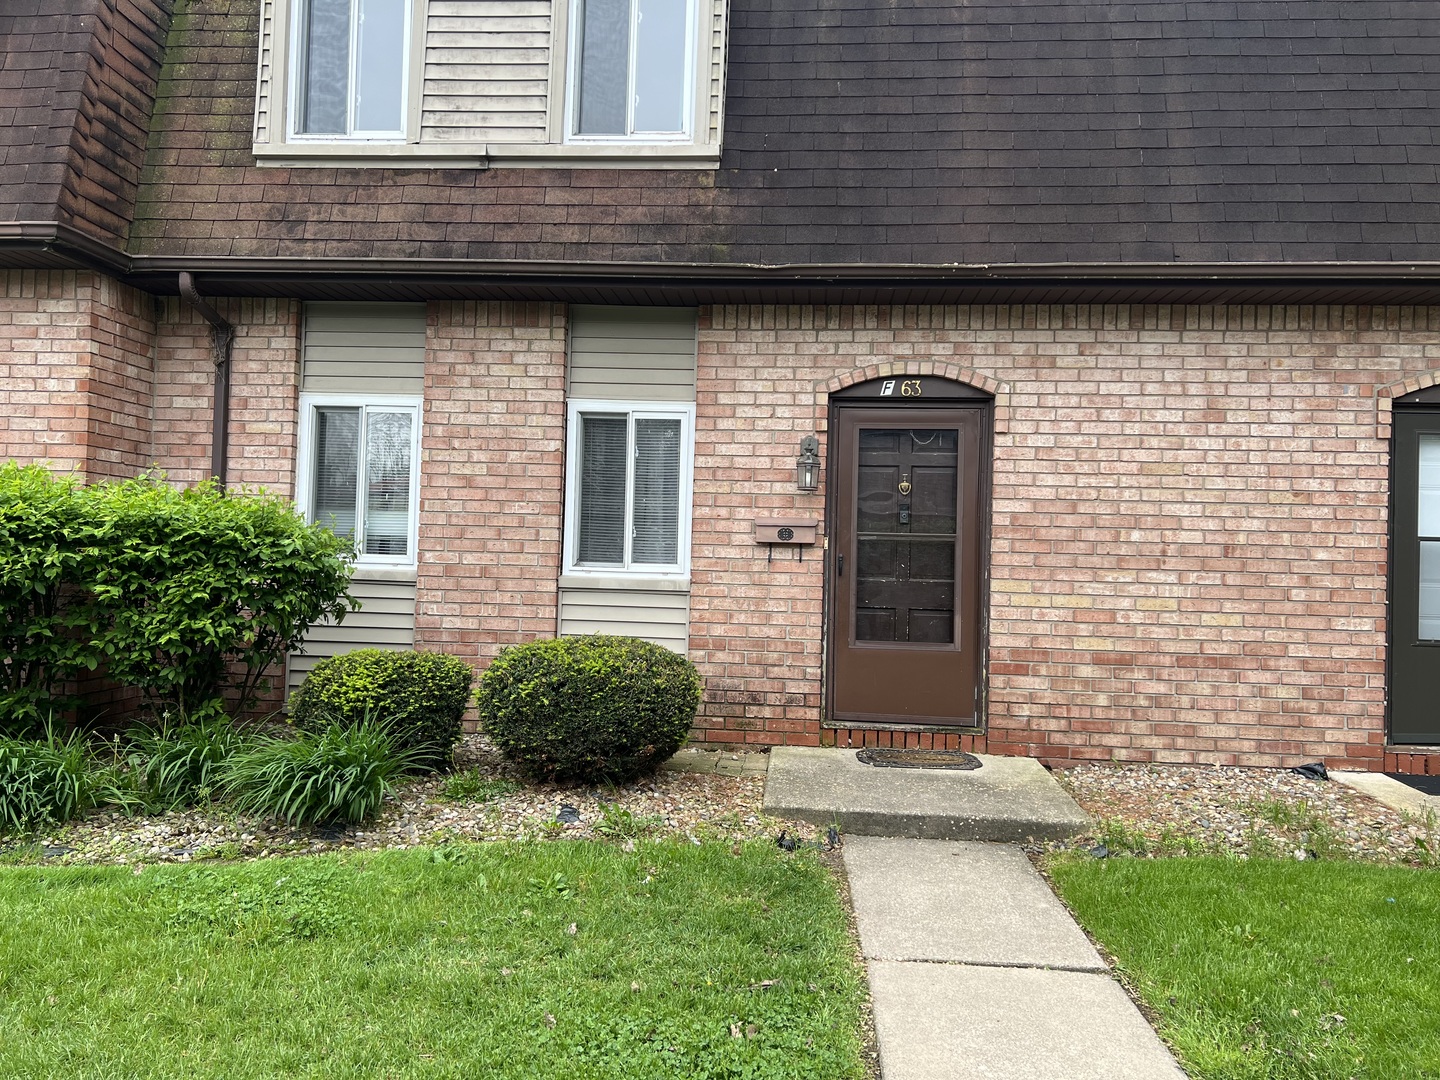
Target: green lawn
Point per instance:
(1272, 969)
(569, 960)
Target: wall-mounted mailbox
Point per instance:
(785, 530)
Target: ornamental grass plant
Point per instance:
(178, 764)
(340, 774)
(54, 778)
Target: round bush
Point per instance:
(583, 709)
(419, 697)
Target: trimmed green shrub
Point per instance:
(188, 595)
(188, 585)
(339, 774)
(50, 779)
(43, 538)
(584, 709)
(418, 696)
(180, 765)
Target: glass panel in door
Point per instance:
(906, 517)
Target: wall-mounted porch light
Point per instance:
(807, 469)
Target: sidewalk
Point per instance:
(978, 971)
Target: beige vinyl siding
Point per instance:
(375, 349)
(386, 620)
(265, 75)
(717, 70)
(661, 617)
(632, 354)
(487, 71)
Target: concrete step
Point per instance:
(1007, 799)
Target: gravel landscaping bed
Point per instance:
(1182, 810)
(675, 804)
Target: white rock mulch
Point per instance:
(1193, 809)
(681, 805)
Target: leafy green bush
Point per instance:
(588, 708)
(50, 779)
(187, 595)
(188, 584)
(340, 774)
(180, 764)
(43, 537)
(419, 696)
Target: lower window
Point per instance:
(358, 475)
(629, 489)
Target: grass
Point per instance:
(1274, 970)
(574, 960)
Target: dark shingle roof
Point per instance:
(77, 79)
(933, 132)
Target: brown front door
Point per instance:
(906, 566)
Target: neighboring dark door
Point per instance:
(905, 567)
(1415, 579)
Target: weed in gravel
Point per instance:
(618, 823)
(473, 786)
(1427, 847)
(1121, 837)
(1174, 842)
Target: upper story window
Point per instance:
(633, 69)
(351, 59)
(486, 83)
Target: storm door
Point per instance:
(905, 567)
(1415, 579)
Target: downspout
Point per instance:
(222, 341)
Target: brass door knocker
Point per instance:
(905, 484)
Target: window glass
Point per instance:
(352, 57)
(326, 59)
(1429, 523)
(604, 67)
(631, 68)
(362, 472)
(628, 500)
(380, 65)
(1430, 590)
(337, 456)
(660, 65)
(657, 491)
(387, 483)
(602, 491)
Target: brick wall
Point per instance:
(492, 476)
(76, 366)
(264, 392)
(1188, 541)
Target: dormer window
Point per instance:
(351, 59)
(633, 65)
(481, 83)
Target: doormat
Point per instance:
(1430, 785)
(917, 759)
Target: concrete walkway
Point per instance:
(977, 971)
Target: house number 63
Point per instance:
(910, 388)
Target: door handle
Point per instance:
(839, 565)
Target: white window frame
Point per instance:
(305, 468)
(695, 41)
(295, 66)
(632, 410)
